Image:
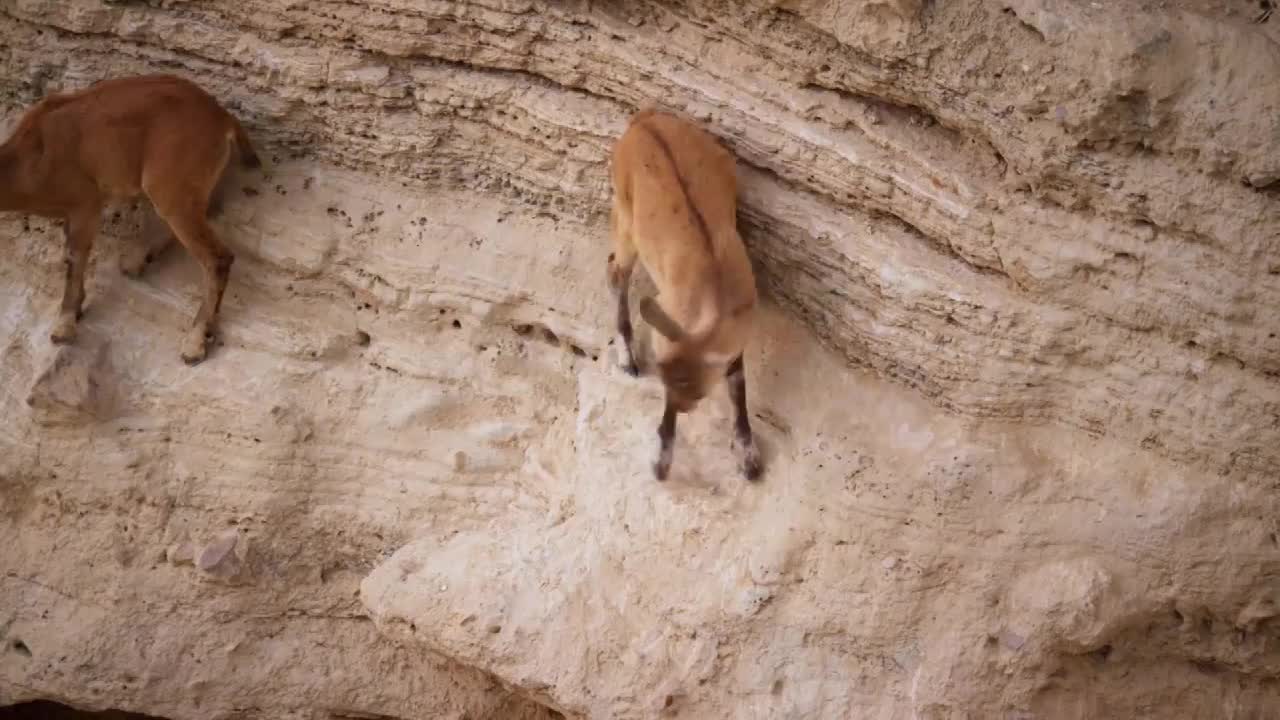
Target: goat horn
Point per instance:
(653, 314)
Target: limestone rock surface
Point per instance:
(1016, 380)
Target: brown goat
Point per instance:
(73, 153)
(675, 208)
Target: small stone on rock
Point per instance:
(1012, 640)
(217, 552)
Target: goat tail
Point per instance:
(248, 157)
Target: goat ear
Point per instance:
(653, 314)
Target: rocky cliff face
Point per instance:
(1017, 380)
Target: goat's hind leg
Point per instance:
(180, 186)
(157, 236)
(79, 231)
(184, 209)
(744, 441)
(215, 259)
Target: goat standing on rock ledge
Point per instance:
(675, 207)
(73, 153)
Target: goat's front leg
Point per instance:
(621, 262)
(78, 231)
(666, 442)
(743, 440)
(626, 334)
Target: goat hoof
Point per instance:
(64, 333)
(195, 348)
(623, 357)
(750, 464)
(662, 465)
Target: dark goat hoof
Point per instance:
(751, 465)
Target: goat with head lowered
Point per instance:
(675, 209)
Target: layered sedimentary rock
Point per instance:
(1017, 377)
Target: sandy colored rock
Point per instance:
(1017, 380)
(225, 557)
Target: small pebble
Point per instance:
(1013, 641)
(217, 552)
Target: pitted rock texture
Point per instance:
(1017, 381)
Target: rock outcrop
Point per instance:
(1017, 380)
